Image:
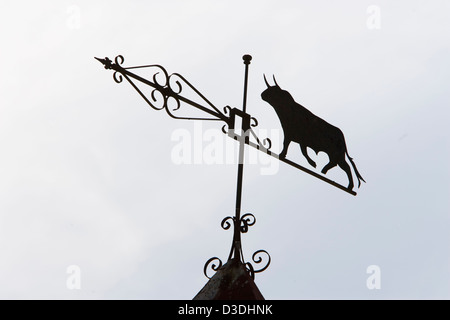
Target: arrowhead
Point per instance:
(106, 62)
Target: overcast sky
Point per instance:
(88, 177)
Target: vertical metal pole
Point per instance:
(247, 58)
(237, 222)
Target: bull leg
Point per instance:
(305, 154)
(286, 143)
(330, 165)
(344, 166)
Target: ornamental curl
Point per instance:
(214, 267)
(268, 142)
(257, 259)
(226, 111)
(247, 220)
(116, 75)
(226, 224)
(255, 122)
(119, 58)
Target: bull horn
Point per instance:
(265, 80)
(275, 81)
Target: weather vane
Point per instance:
(299, 125)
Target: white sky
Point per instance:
(87, 179)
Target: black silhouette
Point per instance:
(302, 126)
(235, 279)
(167, 92)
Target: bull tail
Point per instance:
(358, 175)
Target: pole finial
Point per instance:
(247, 58)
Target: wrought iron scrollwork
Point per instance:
(166, 89)
(246, 221)
(226, 224)
(258, 259)
(227, 112)
(266, 143)
(214, 267)
(116, 75)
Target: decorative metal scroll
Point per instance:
(167, 89)
(246, 221)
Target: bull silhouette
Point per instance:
(302, 126)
